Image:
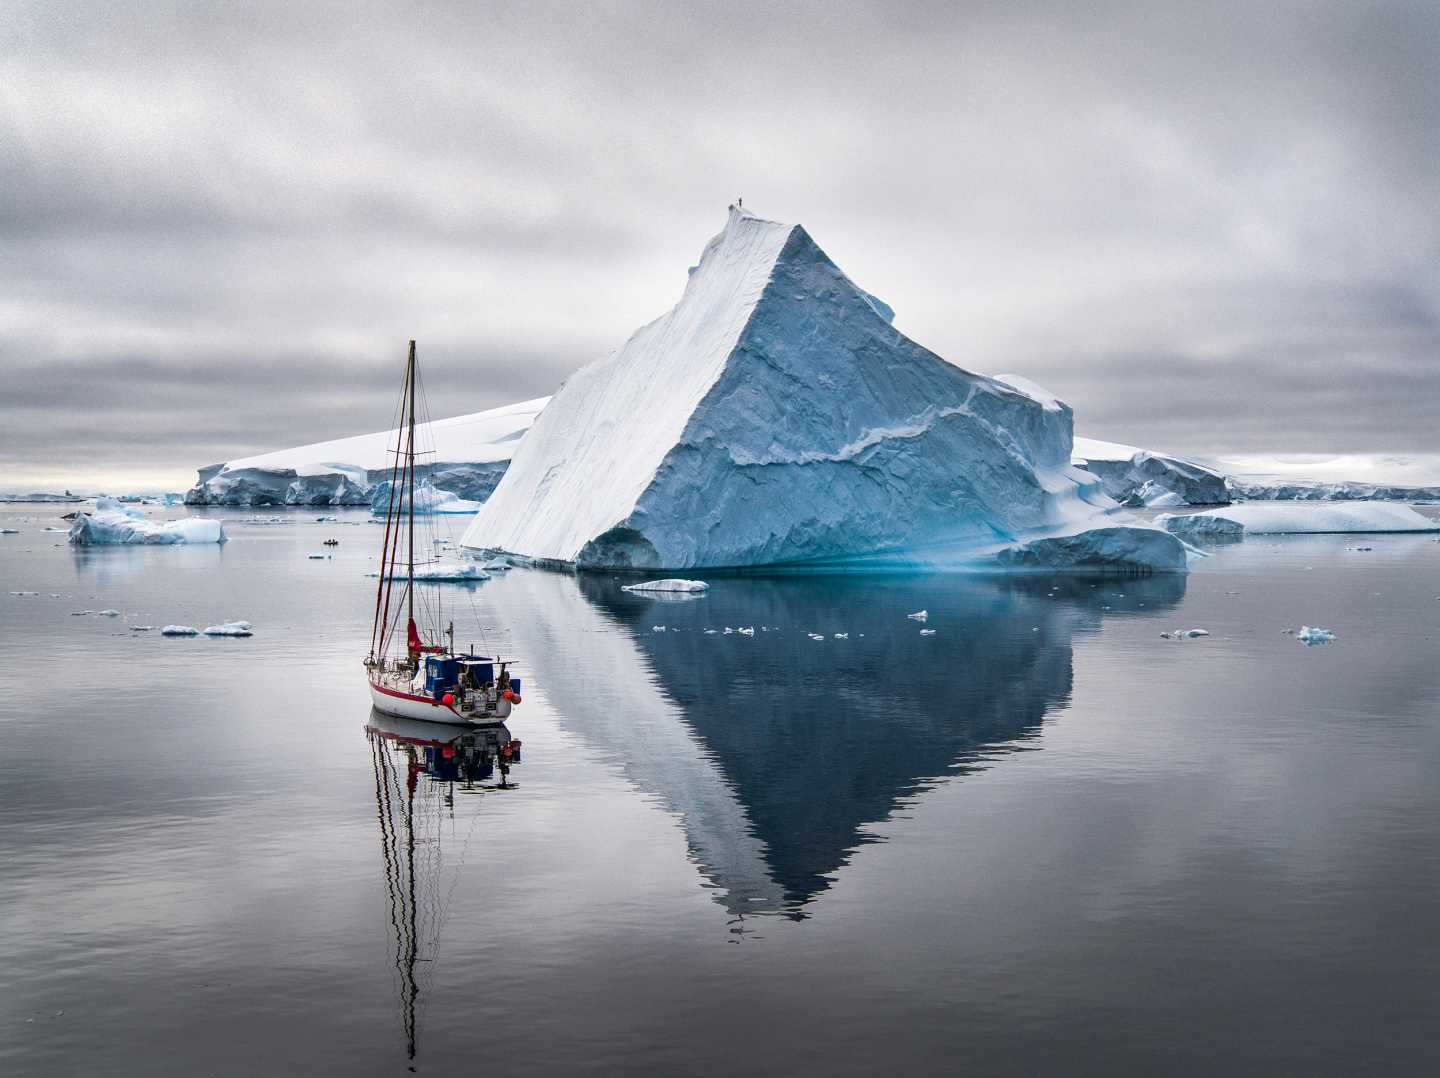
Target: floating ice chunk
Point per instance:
(747, 632)
(107, 527)
(710, 632)
(109, 613)
(668, 584)
(326, 520)
(9, 531)
(439, 574)
(919, 615)
(229, 628)
(1312, 518)
(1113, 548)
(179, 630)
(318, 557)
(141, 628)
(496, 565)
(80, 613)
(24, 593)
(927, 632)
(1310, 635)
(661, 629)
(816, 636)
(841, 636)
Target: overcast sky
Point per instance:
(1210, 230)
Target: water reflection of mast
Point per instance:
(413, 876)
(399, 882)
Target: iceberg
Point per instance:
(112, 524)
(1205, 527)
(775, 417)
(1141, 477)
(179, 630)
(1310, 518)
(469, 455)
(1119, 548)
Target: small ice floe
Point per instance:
(841, 636)
(440, 540)
(668, 584)
(746, 632)
(141, 628)
(1184, 634)
(228, 628)
(927, 632)
(496, 565)
(179, 630)
(1362, 548)
(54, 529)
(728, 630)
(108, 613)
(24, 593)
(1310, 635)
(661, 629)
(919, 615)
(9, 531)
(80, 613)
(711, 632)
(326, 520)
(816, 636)
(442, 574)
(318, 557)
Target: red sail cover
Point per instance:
(412, 640)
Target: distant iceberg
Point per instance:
(776, 418)
(111, 523)
(470, 454)
(1313, 518)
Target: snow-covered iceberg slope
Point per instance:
(775, 417)
(1325, 517)
(113, 524)
(466, 456)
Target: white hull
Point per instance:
(407, 706)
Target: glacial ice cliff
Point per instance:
(775, 417)
(466, 456)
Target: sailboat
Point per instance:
(411, 672)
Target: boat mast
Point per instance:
(410, 460)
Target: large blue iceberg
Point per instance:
(775, 417)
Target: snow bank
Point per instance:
(775, 417)
(110, 524)
(1310, 517)
(670, 584)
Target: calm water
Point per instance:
(1041, 840)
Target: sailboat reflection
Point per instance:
(418, 769)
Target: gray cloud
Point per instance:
(1211, 228)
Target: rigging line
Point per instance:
(387, 559)
(383, 584)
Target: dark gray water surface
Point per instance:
(1043, 839)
